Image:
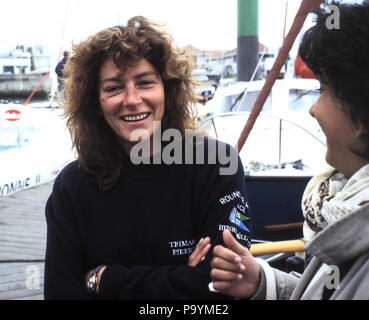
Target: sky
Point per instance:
(205, 24)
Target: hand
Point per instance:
(235, 272)
(199, 253)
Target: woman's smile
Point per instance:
(136, 117)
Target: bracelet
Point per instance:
(92, 282)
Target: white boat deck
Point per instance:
(22, 243)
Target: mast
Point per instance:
(306, 7)
(247, 39)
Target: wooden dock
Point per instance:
(22, 243)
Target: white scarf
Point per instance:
(329, 196)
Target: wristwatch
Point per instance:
(92, 280)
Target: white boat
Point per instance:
(285, 148)
(284, 132)
(21, 70)
(34, 146)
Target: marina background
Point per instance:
(36, 33)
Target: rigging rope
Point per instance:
(38, 85)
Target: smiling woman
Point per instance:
(124, 230)
(131, 101)
(99, 64)
(335, 203)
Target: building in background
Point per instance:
(21, 70)
(219, 64)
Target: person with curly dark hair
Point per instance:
(121, 229)
(335, 203)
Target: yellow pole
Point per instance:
(277, 247)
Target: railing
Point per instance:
(277, 247)
(282, 134)
(246, 113)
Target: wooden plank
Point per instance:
(23, 237)
(21, 293)
(23, 251)
(35, 297)
(21, 280)
(7, 269)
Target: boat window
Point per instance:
(228, 102)
(245, 103)
(249, 100)
(302, 100)
(8, 69)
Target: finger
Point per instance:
(222, 286)
(200, 252)
(226, 254)
(220, 263)
(201, 247)
(201, 255)
(221, 275)
(204, 252)
(204, 243)
(233, 244)
(198, 246)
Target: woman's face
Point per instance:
(132, 99)
(339, 130)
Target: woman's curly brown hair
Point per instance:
(98, 149)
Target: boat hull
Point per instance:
(21, 85)
(275, 206)
(34, 146)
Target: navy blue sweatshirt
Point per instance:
(143, 228)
